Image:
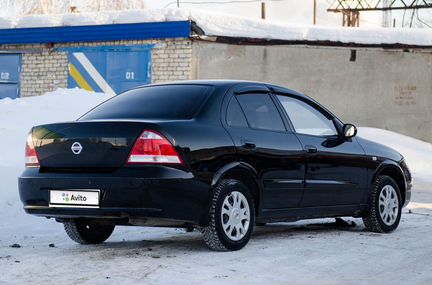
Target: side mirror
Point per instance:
(349, 131)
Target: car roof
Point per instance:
(227, 83)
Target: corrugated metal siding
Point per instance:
(93, 33)
(109, 69)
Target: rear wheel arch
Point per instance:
(393, 170)
(244, 173)
(231, 216)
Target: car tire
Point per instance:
(231, 217)
(84, 231)
(385, 206)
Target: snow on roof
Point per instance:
(223, 25)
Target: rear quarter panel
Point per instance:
(205, 147)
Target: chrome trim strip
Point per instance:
(284, 181)
(329, 182)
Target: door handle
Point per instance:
(311, 149)
(248, 144)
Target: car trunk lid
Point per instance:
(86, 144)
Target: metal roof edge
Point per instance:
(93, 33)
(268, 42)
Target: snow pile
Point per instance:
(420, 37)
(16, 119)
(216, 24)
(229, 26)
(226, 25)
(31, 21)
(86, 19)
(25, 7)
(138, 16)
(7, 23)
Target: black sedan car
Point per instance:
(220, 156)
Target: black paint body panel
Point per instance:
(291, 184)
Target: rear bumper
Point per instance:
(131, 194)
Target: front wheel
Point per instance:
(86, 231)
(232, 216)
(384, 206)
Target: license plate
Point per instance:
(75, 198)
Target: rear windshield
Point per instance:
(158, 102)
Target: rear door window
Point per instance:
(261, 112)
(235, 115)
(154, 102)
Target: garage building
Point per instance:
(371, 77)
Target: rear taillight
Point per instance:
(31, 159)
(152, 147)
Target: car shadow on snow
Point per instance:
(175, 243)
(305, 230)
(178, 243)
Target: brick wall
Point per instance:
(172, 60)
(45, 69)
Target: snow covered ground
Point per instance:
(312, 251)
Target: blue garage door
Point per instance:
(10, 71)
(109, 69)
